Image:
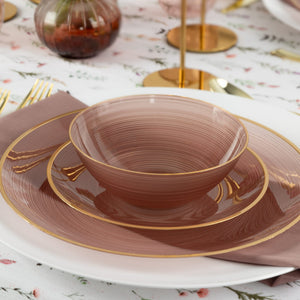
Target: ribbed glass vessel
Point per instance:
(77, 28)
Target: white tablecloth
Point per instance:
(141, 48)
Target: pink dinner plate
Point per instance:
(243, 187)
(25, 187)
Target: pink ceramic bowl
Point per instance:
(158, 151)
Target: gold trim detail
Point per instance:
(73, 172)
(27, 167)
(12, 145)
(19, 155)
(229, 184)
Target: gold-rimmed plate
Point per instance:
(244, 186)
(35, 201)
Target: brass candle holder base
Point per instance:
(204, 38)
(10, 10)
(194, 79)
(197, 38)
(36, 1)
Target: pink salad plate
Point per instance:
(25, 187)
(243, 187)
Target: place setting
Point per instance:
(183, 181)
(106, 214)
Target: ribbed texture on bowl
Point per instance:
(157, 148)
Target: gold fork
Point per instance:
(286, 54)
(37, 93)
(3, 98)
(237, 4)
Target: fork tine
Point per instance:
(4, 99)
(50, 90)
(37, 93)
(33, 98)
(28, 96)
(41, 97)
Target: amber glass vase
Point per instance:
(77, 28)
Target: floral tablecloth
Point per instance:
(141, 48)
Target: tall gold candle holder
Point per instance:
(203, 37)
(191, 78)
(10, 11)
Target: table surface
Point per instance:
(140, 49)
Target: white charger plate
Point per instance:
(283, 12)
(191, 272)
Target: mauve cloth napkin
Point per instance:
(19, 121)
(283, 250)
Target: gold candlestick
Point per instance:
(191, 78)
(212, 38)
(202, 21)
(182, 77)
(182, 44)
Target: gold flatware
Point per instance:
(220, 85)
(238, 4)
(39, 91)
(3, 98)
(282, 53)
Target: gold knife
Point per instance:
(237, 4)
(286, 54)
